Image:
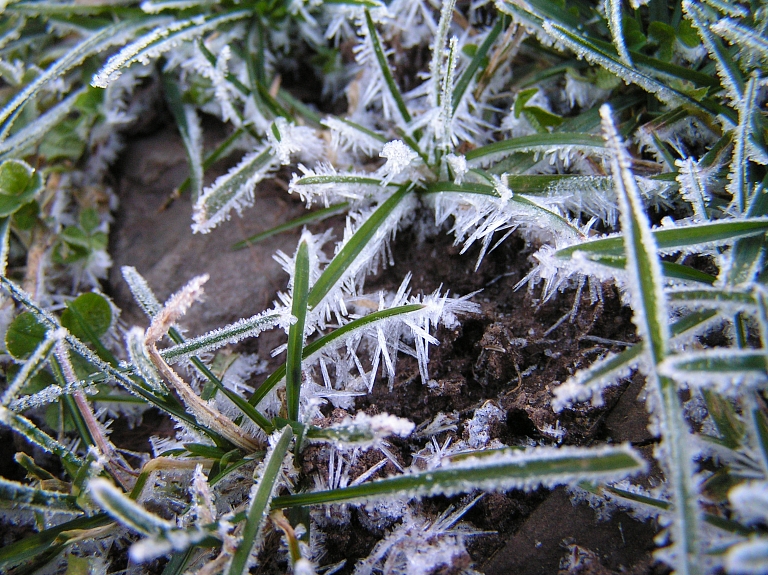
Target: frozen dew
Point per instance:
(399, 157)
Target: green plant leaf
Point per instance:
(88, 316)
(24, 335)
(19, 184)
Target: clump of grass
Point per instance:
(531, 117)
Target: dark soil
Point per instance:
(507, 354)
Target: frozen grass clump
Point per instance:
(621, 142)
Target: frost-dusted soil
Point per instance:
(502, 355)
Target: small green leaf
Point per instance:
(19, 183)
(26, 216)
(89, 308)
(633, 35)
(24, 335)
(663, 36)
(89, 220)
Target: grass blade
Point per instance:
(650, 316)
(296, 332)
(316, 216)
(343, 260)
(386, 73)
(497, 470)
(262, 496)
(317, 346)
(671, 239)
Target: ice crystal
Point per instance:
(399, 157)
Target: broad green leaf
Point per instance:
(88, 316)
(19, 184)
(24, 335)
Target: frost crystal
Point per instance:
(399, 157)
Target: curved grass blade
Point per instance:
(341, 262)
(311, 349)
(316, 216)
(593, 53)
(495, 470)
(262, 496)
(97, 42)
(159, 41)
(296, 332)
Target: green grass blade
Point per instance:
(727, 69)
(95, 43)
(646, 288)
(319, 344)
(160, 40)
(477, 60)
(342, 261)
(31, 134)
(671, 239)
(498, 470)
(701, 367)
(231, 191)
(296, 332)
(714, 297)
(589, 384)
(37, 544)
(261, 499)
(30, 431)
(386, 73)
(555, 141)
(14, 494)
(188, 125)
(229, 334)
(316, 216)
(588, 49)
